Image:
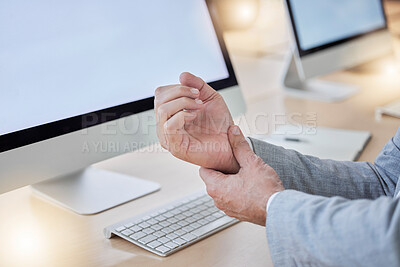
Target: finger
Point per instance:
(177, 122)
(167, 110)
(168, 93)
(190, 80)
(241, 149)
(174, 129)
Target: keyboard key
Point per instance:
(189, 237)
(210, 218)
(144, 225)
(148, 231)
(195, 225)
(128, 225)
(202, 222)
(195, 210)
(202, 207)
(190, 220)
(152, 221)
(168, 214)
(136, 228)
(165, 223)
(188, 228)
(183, 208)
(218, 215)
(156, 227)
(172, 236)
(211, 226)
(180, 232)
(159, 234)
(205, 212)
(164, 240)
(197, 217)
(180, 241)
(147, 239)
(163, 249)
(138, 221)
(160, 218)
(119, 229)
(154, 214)
(137, 235)
(198, 202)
(175, 226)
(167, 230)
(145, 218)
(171, 245)
(183, 223)
(172, 220)
(191, 205)
(175, 211)
(127, 232)
(154, 244)
(180, 217)
(188, 213)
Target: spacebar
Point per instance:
(212, 226)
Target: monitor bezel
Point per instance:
(306, 52)
(46, 131)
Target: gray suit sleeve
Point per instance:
(307, 230)
(352, 180)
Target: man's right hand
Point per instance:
(193, 122)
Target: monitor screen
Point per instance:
(63, 59)
(318, 23)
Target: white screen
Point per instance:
(320, 22)
(60, 59)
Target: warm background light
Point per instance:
(237, 14)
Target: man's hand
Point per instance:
(245, 194)
(192, 123)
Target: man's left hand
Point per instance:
(245, 194)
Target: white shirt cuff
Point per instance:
(250, 144)
(270, 200)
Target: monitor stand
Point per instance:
(93, 190)
(314, 89)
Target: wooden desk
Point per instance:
(35, 232)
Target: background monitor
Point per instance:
(331, 35)
(77, 81)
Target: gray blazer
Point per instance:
(334, 213)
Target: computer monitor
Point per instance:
(78, 80)
(330, 35)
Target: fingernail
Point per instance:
(198, 101)
(235, 130)
(195, 91)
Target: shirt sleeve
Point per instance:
(324, 177)
(271, 198)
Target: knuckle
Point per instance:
(158, 90)
(162, 113)
(182, 90)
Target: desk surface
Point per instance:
(35, 232)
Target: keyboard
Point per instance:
(173, 226)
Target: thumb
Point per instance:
(241, 148)
(190, 80)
